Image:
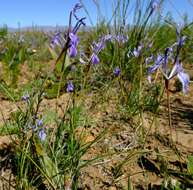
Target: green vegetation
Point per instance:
(84, 99)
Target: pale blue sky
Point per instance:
(55, 12)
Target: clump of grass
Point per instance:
(47, 157)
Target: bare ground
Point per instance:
(127, 156)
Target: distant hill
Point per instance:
(38, 28)
(42, 28)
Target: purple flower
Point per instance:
(182, 76)
(42, 134)
(25, 97)
(70, 87)
(73, 44)
(39, 122)
(154, 4)
(117, 71)
(184, 79)
(72, 51)
(177, 70)
(75, 9)
(157, 64)
(95, 59)
(108, 37)
(148, 59)
(137, 51)
(56, 41)
(73, 39)
(80, 21)
(121, 38)
(97, 47)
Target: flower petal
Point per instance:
(56, 41)
(42, 135)
(175, 71)
(73, 39)
(95, 59)
(184, 79)
(157, 64)
(154, 4)
(72, 51)
(136, 52)
(70, 87)
(117, 71)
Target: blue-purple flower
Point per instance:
(73, 39)
(157, 64)
(69, 41)
(121, 38)
(39, 122)
(56, 41)
(182, 76)
(72, 51)
(25, 97)
(70, 86)
(73, 44)
(97, 47)
(154, 4)
(95, 59)
(185, 80)
(42, 134)
(177, 70)
(162, 61)
(137, 51)
(148, 59)
(108, 37)
(75, 9)
(117, 71)
(80, 21)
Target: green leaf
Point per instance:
(39, 148)
(129, 183)
(49, 167)
(52, 52)
(190, 164)
(9, 129)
